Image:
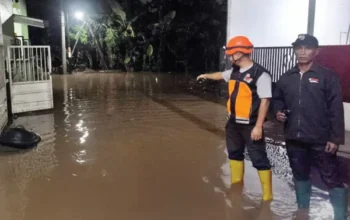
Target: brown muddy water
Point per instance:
(136, 147)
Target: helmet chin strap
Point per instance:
(235, 61)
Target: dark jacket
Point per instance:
(315, 102)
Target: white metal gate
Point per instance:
(29, 69)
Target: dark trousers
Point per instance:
(237, 137)
(302, 156)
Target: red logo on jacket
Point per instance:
(248, 79)
(314, 80)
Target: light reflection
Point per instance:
(79, 156)
(320, 209)
(83, 138)
(82, 129)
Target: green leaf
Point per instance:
(117, 9)
(127, 60)
(150, 50)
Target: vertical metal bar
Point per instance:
(294, 61)
(37, 64)
(284, 69)
(276, 65)
(24, 77)
(29, 66)
(285, 59)
(259, 56)
(278, 68)
(311, 17)
(274, 62)
(273, 68)
(10, 73)
(41, 64)
(45, 69)
(20, 72)
(14, 63)
(286, 52)
(9, 67)
(291, 55)
(49, 60)
(33, 63)
(269, 59)
(264, 57)
(279, 65)
(63, 39)
(282, 61)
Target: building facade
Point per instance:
(15, 22)
(20, 60)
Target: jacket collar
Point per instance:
(314, 68)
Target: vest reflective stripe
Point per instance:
(242, 103)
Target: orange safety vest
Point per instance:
(243, 102)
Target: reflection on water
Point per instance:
(136, 146)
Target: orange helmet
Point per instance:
(239, 44)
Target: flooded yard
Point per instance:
(136, 146)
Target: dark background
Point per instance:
(197, 50)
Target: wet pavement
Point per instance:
(136, 146)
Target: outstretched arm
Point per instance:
(212, 76)
(226, 75)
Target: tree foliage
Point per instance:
(155, 35)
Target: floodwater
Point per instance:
(136, 147)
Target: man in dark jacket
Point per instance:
(308, 98)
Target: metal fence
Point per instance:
(29, 63)
(276, 59)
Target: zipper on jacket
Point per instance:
(299, 116)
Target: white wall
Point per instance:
(347, 116)
(332, 17)
(21, 29)
(267, 22)
(5, 9)
(278, 22)
(3, 93)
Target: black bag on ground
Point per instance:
(19, 137)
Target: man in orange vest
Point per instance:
(249, 87)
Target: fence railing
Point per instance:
(29, 63)
(276, 59)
